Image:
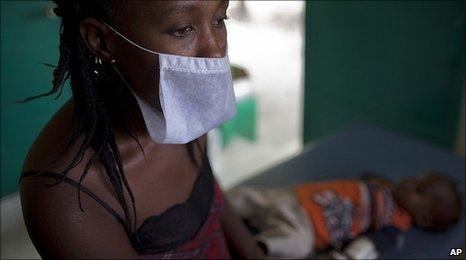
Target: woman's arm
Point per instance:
(60, 230)
(239, 240)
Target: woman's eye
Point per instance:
(181, 32)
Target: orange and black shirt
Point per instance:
(340, 210)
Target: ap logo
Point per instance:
(456, 251)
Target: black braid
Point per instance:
(96, 106)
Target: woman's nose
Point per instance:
(212, 44)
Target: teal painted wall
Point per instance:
(28, 38)
(396, 64)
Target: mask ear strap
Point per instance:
(130, 41)
(132, 91)
(122, 78)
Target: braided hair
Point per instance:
(96, 99)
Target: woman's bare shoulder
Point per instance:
(45, 152)
(50, 142)
(60, 229)
(44, 155)
(55, 222)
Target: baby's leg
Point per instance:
(277, 218)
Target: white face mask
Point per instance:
(196, 95)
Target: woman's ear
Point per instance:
(96, 36)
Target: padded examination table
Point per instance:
(365, 148)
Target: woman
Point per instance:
(149, 79)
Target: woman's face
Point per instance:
(188, 28)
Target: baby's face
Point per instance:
(421, 196)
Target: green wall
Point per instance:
(396, 64)
(28, 38)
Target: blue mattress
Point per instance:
(361, 149)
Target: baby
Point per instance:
(317, 216)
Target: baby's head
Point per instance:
(431, 199)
